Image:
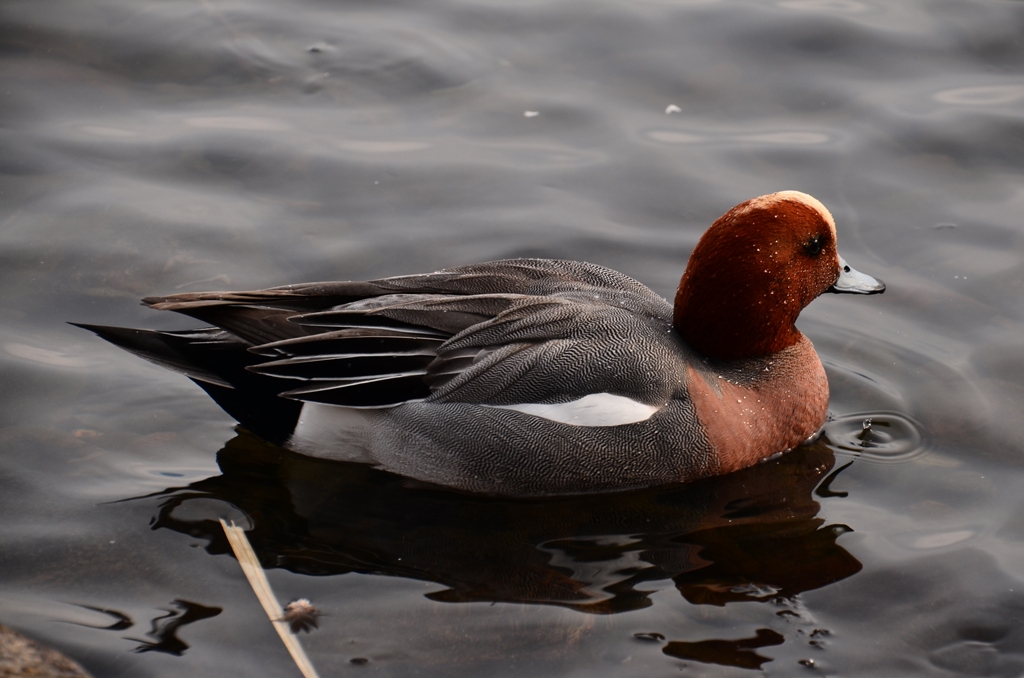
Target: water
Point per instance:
(187, 145)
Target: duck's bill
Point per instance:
(852, 281)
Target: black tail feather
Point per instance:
(217, 362)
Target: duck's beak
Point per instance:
(852, 281)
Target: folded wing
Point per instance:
(495, 334)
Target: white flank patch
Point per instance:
(596, 409)
(331, 432)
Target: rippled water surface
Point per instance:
(154, 147)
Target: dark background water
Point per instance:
(148, 148)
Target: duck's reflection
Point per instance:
(752, 535)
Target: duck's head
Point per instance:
(753, 272)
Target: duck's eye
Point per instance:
(813, 246)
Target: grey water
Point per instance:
(183, 145)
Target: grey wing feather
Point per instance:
(490, 333)
(535, 277)
(535, 354)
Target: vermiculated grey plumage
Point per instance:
(454, 347)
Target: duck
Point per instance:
(532, 377)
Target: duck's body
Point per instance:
(529, 376)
